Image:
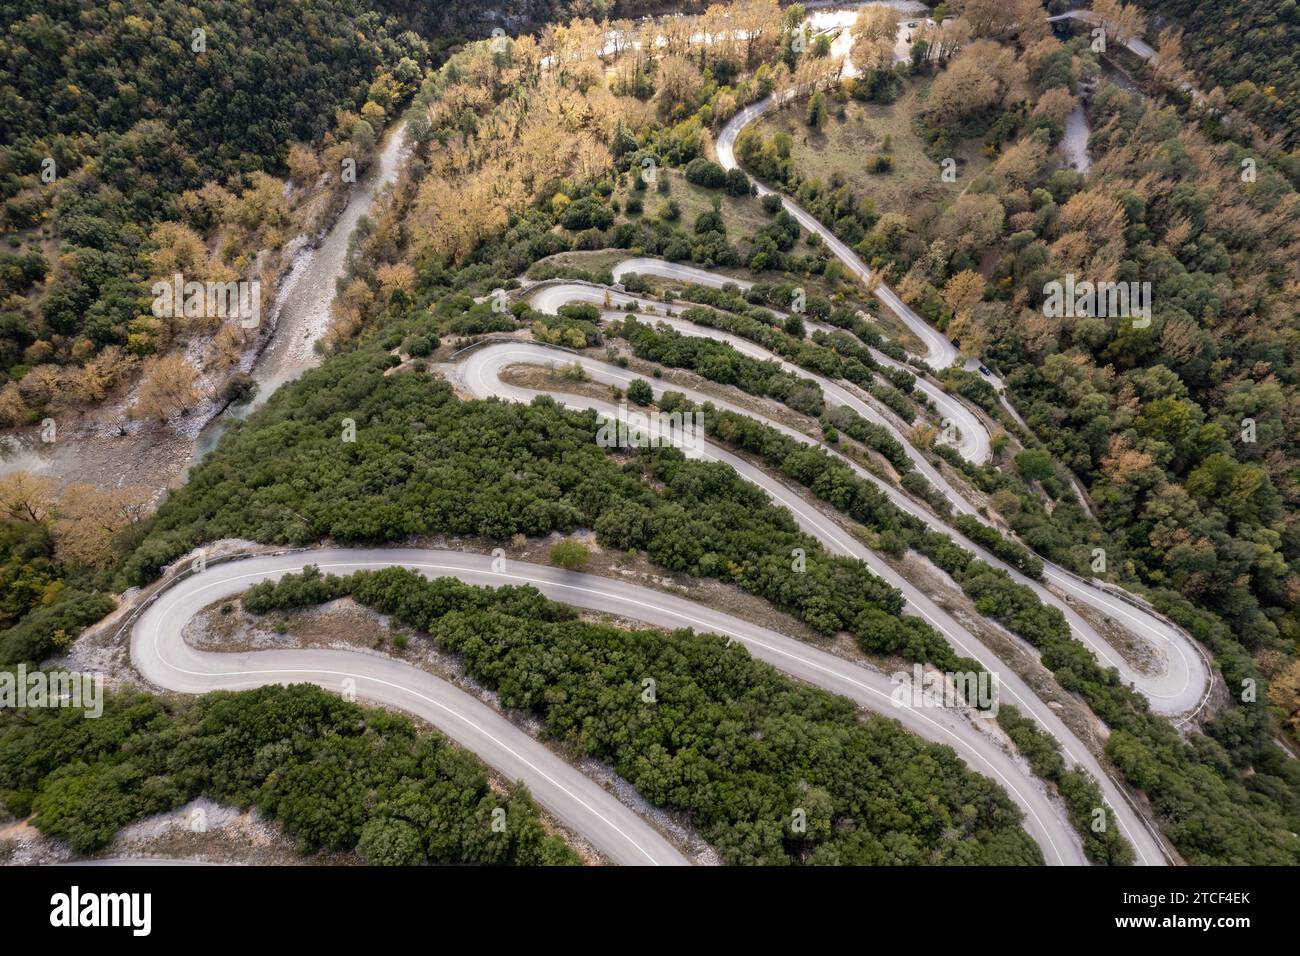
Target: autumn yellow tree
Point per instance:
(88, 519)
(168, 386)
(979, 76)
(206, 207)
(759, 23)
(963, 290)
(963, 293)
(973, 223)
(27, 497)
(13, 408)
(1092, 228)
(1123, 462)
(995, 18)
(103, 372)
(876, 23)
(1021, 163)
(942, 40)
(348, 310)
(874, 34)
(227, 346)
(177, 248)
(1056, 104)
(262, 204)
(676, 83)
(396, 276)
(1168, 64)
(1122, 22)
(304, 167)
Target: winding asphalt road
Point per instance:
(1183, 677)
(940, 353)
(160, 653)
(162, 657)
(480, 373)
(972, 436)
(1179, 677)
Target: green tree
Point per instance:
(1034, 464)
(817, 112)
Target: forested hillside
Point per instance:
(727, 741)
(1249, 48)
(264, 77)
(338, 776)
(1182, 428)
(139, 138)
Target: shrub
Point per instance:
(707, 173)
(53, 628)
(239, 388)
(737, 183)
(569, 554)
(420, 345)
(640, 392)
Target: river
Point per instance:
(302, 305)
(105, 447)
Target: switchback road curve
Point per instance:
(940, 353)
(972, 442)
(162, 657)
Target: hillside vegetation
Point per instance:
(141, 139)
(1249, 49)
(339, 777)
(770, 771)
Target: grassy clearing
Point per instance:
(743, 215)
(845, 148)
(597, 260)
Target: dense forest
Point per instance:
(486, 468)
(82, 77)
(1248, 48)
(727, 740)
(1181, 429)
(1195, 784)
(138, 139)
(338, 776)
(526, 164)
